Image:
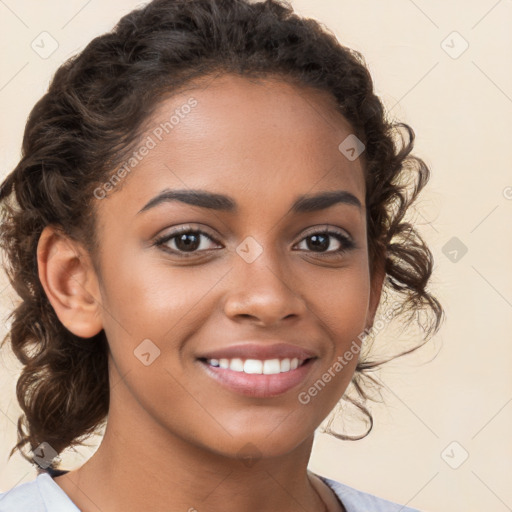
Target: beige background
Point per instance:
(460, 109)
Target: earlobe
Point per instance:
(70, 282)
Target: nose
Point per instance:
(263, 292)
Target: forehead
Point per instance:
(268, 140)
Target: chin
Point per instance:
(250, 447)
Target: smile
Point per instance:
(257, 366)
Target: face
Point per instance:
(248, 270)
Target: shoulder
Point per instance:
(39, 495)
(355, 500)
(23, 497)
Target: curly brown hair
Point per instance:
(91, 118)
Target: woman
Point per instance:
(209, 209)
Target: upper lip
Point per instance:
(259, 350)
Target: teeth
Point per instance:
(271, 366)
(251, 366)
(236, 365)
(266, 367)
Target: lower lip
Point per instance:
(258, 385)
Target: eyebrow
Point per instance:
(220, 202)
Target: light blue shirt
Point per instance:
(43, 494)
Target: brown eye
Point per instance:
(185, 241)
(322, 241)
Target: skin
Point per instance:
(175, 437)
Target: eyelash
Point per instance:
(347, 243)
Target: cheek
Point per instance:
(150, 298)
(153, 310)
(340, 301)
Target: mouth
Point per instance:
(258, 378)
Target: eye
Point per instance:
(185, 241)
(321, 241)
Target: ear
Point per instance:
(70, 282)
(376, 290)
